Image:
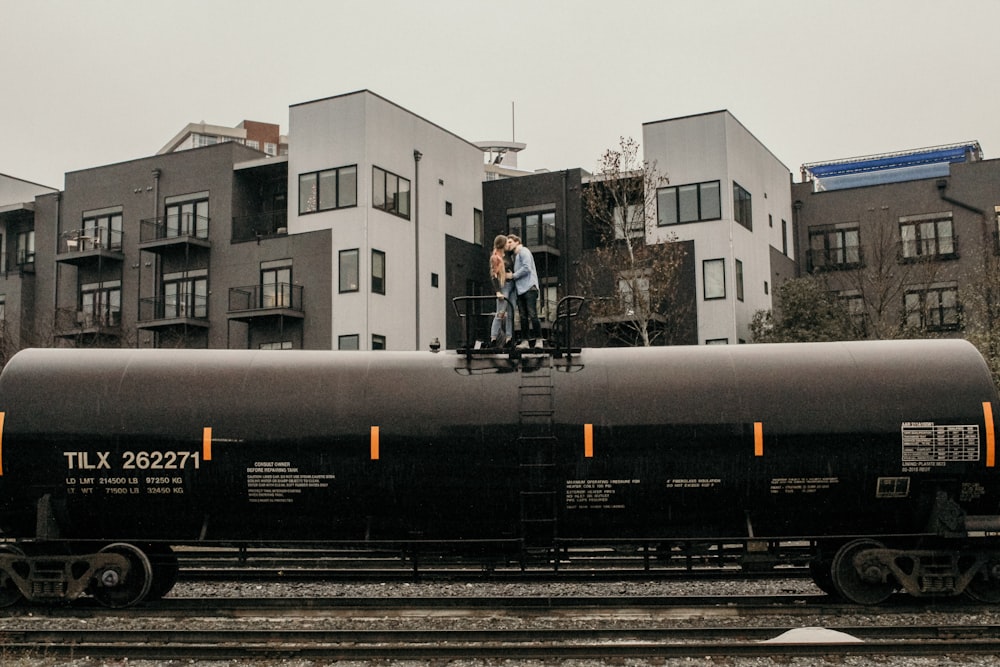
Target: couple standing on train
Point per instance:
(513, 274)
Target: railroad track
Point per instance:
(496, 644)
(628, 608)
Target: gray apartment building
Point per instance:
(908, 239)
(363, 233)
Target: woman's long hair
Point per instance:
(497, 268)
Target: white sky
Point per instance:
(93, 82)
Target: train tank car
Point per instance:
(878, 455)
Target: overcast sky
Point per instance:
(93, 82)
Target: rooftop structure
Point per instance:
(910, 165)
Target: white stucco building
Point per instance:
(732, 197)
(391, 186)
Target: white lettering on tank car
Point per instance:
(281, 482)
(926, 444)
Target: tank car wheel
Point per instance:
(860, 582)
(165, 570)
(10, 594)
(985, 586)
(117, 590)
(821, 570)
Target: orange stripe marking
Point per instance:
(2, 415)
(758, 438)
(991, 437)
(206, 444)
(588, 440)
(374, 443)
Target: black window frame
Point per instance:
(337, 189)
(378, 282)
(835, 254)
(356, 286)
(389, 199)
(742, 206)
(939, 317)
(702, 215)
(927, 247)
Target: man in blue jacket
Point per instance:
(525, 278)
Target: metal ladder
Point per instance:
(536, 454)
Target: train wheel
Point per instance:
(10, 594)
(165, 569)
(118, 589)
(861, 580)
(822, 575)
(985, 586)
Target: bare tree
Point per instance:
(630, 282)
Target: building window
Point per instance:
(536, 228)
(927, 239)
(390, 193)
(996, 230)
(742, 208)
(283, 345)
(328, 190)
(185, 294)
(25, 248)
(447, 208)
(855, 304)
(834, 248)
(378, 272)
(188, 218)
(714, 278)
(739, 280)
(349, 342)
(270, 148)
(478, 229)
(933, 309)
(349, 271)
(101, 231)
(100, 303)
(695, 202)
(784, 237)
(276, 284)
(434, 280)
(378, 342)
(717, 341)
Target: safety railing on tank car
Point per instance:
(567, 309)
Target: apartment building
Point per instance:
(905, 238)
(729, 196)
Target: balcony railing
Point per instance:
(174, 307)
(70, 320)
(91, 238)
(273, 296)
(266, 223)
(173, 227)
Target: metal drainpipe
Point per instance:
(55, 291)
(416, 241)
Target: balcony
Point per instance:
(72, 323)
(270, 300)
(175, 311)
(173, 232)
(90, 246)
